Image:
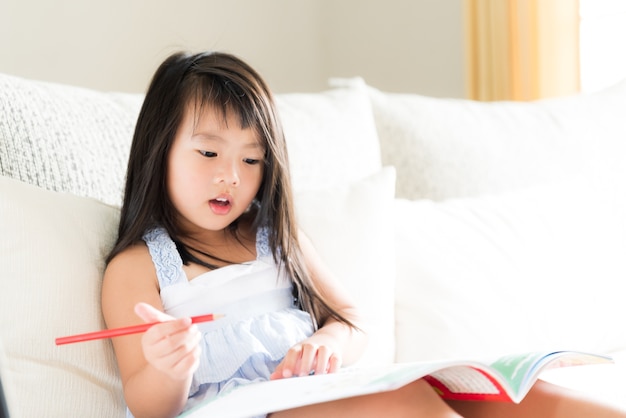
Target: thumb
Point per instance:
(277, 373)
(151, 314)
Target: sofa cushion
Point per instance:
(52, 258)
(527, 270)
(450, 148)
(331, 135)
(352, 231)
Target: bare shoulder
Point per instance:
(133, 258)
(129, 278)
(131, 267)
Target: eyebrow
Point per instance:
(207, 137)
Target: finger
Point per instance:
(168, 350)
(169, 327)
(307, 359)
(150, 314)
(322, 360)
(181, 362)
(278, 372)
(169, 336)
(334, 363)
(291, 360)
(188, 363)
(181, 344)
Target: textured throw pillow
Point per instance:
(51, 262)
(531, 269)
(352, 230)
(66, 138)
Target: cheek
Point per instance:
(182, 178)
(254, 179)
(184, 167)
(173, 184)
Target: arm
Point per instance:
(156, 368)
(333, 343)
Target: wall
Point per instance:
(396, 45)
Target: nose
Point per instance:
(228, 174)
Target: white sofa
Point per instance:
(466, 229)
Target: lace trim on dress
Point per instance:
(165, 256)
(168, 262)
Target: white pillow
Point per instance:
(351, 229)
(331, 136)
(533, 269)
(52, 258)
(450, 148)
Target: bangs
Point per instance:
(225, 98)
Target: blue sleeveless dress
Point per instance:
(261, 318)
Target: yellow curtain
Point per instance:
(521, 49)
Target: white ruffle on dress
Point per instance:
(261, 318)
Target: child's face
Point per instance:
(215, 169)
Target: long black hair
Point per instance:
(225, 83)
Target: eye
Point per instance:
(208, 154)
(251, 161)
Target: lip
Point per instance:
(221, 205)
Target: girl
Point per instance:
(208, 225)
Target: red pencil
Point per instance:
(117, 332)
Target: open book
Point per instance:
(507, 379)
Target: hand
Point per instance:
(309, 356)
(172, 346)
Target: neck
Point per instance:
(214, 249)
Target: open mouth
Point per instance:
(220, 205)
(220, 202)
